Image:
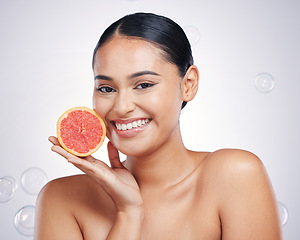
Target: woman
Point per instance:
(144, 76)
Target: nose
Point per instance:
(124, 103)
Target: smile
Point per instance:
(131, 125)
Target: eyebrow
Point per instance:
(141, 73)
(134, 75)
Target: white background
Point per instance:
(45, 68)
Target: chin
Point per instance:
(133, 147)
(134, 151)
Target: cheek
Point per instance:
(101, 107)
(165, 105)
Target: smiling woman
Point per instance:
(144, 75)
(160, 31)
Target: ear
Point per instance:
(189, 85)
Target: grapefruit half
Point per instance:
(81, 131)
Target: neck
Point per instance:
(165, 167)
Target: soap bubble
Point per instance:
(192, 33)
(264, 82)
(32, 180)
(24, 220)
(8, 186)
(283, 213)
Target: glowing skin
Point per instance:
(163, 190)
(138, 94)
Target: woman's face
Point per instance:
(137, 93)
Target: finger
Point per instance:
(94, 168)
(89, 162)
(87, 165)
(72, 158)
(113, 156)
(53, 140)
(83, 167)
(58, 149)
(90, 158)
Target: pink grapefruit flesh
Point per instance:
(81, 131)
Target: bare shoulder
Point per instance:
(246, 203)
(65, 206)
(73, 193)
(233, 163)
(235, 171)
(66, 188)
(226, 170)
(234, 156)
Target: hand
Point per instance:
(116, 180)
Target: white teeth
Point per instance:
(139, 123)
(131, 125)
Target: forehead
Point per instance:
(130, 52)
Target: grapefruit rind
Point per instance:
(64, 118)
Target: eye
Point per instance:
(105, 89)
(144, 85)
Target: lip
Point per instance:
(129, 132)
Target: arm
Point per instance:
(127, 226)
(248, 207)
(53, 217)
(119, 184)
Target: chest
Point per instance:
(184, 216)
(187, 212)
(166, 217)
